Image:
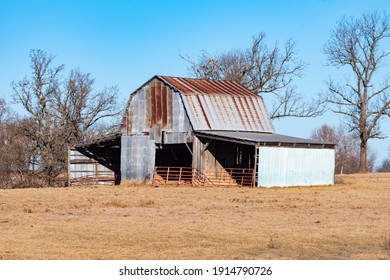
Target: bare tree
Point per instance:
(79, 109)
(346, 150)
(61, 111)
(16, 150)
(266, 71)
(4, 170)
(363, 98)
(3, 109)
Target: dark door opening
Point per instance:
(177, 155)
(173, 163)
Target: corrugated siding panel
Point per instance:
(137, 115)
(153, 109)
(177, 138)
(227, 112)
(283, 167)
(137, 157)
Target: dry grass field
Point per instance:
(350, 220)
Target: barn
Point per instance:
(200, 132)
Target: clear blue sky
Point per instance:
(125, 43)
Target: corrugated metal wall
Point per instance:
(155, 110)
(283, 167)
(137, 157)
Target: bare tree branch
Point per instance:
(267, 71)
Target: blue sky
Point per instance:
(125, 43)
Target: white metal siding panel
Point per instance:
(283, 167)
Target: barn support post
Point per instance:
(196, 147)
(255, 163)
(68, 173)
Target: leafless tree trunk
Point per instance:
(266, 71)
(364, 98)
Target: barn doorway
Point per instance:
(173, 163)
(177, 155)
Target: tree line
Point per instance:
(64, 110)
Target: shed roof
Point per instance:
(221, 105)
(262, 138)
(112, 141)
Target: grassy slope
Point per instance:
(348, 221)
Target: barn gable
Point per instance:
(156, 110)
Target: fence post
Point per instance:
(69, 167)
(167, 176)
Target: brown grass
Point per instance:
(348, 221)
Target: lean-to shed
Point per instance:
(202, 132)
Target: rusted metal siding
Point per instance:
(154, 110)
(163, 103)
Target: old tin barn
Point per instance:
(201, 132)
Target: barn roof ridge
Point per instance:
(184, 84)
(190, 85)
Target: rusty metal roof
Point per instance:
(221, 105)
(199, 86)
